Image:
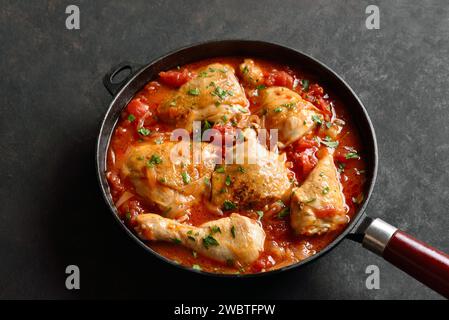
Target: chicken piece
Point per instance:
(318, 205)
(232, 239)
(213, 95)
(255, 177)
(251, 73)
(286, 111)
(165, 175)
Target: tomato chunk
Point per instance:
(279, 78)
(137, 108)
(308, 160)
(304, 143)
(325, 212)
(175, 78)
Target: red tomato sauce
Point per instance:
(303, 156)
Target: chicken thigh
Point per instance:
(165, 174)
(256, 177)
(232, 239)
(318, 205)
(290, 114)
(214, 95)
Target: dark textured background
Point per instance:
(52, 101)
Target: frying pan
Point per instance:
(416, 258)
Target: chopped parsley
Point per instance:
(260, 87)
(210, 241)
(352, 155)
(245, 70)
(220, 169)
(278, 109)
(215, 229)
(310, 201)
(328, 142)
(228, 180)
(221, 93)
(131, 118)
(206, 125)
(233, 231)
(185, 177)
(229, 205)
(163, 180)
(316, 119)
(128, 216)
(260, 214)
(326, 190)
(284, 212)
(196, 267)
(241, 169)
(341, 167)
(289, 105)
(144, 131)
(154, 160)
(305, 85)
(176, 241)
(190, 235)
(194, 92)
(207, 181)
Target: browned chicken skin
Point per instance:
(214, 94)
(320, 192)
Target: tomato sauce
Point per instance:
(139, 122)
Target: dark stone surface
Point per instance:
(52, 101)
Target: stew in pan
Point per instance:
(276, 174)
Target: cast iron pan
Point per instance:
(421, 261)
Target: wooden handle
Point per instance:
(421, 261)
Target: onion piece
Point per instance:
(123, 198)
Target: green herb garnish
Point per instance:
(352, 155)
(131, 118)
(185, 177)
(215, 229)
(144, 131)
(154, 160)
(210, 241)
(305, 85)
(194, 92)
(284, 212)
(220, 169)
(316, 119)
(229, 205)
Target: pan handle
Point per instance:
(110, 81)
(426, 264)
